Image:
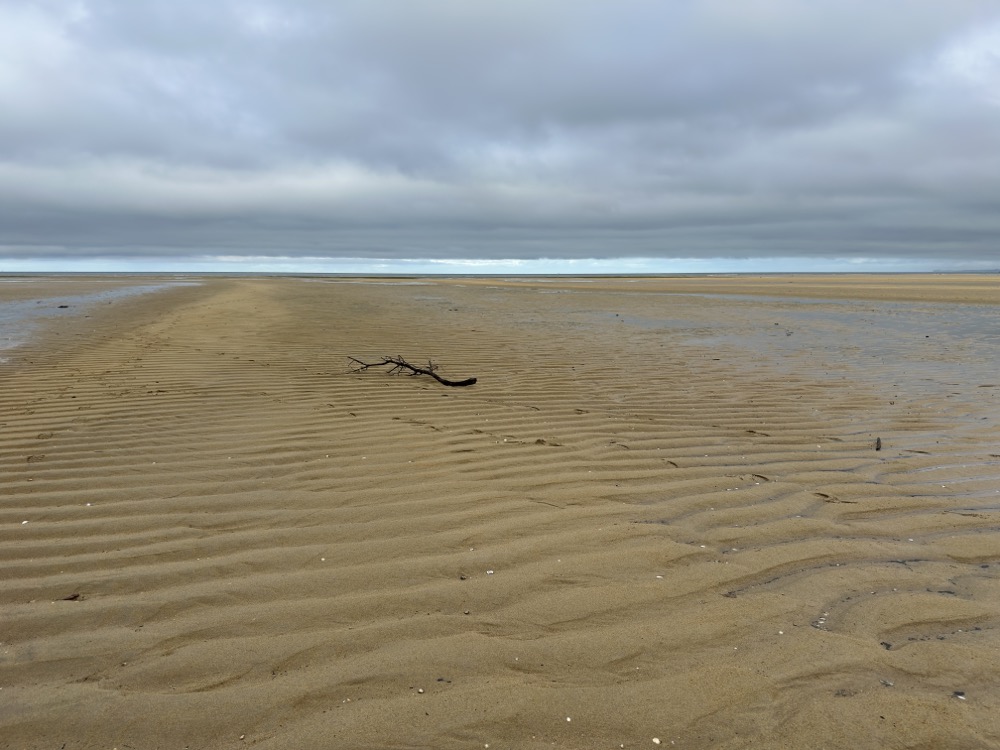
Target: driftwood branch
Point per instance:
(399, 365)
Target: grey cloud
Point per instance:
(550, 127)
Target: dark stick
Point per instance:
(401, 365)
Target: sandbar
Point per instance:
(715, 512)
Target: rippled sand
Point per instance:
(659, 514)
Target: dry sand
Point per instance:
(656, 515)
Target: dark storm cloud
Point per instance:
(518, 129)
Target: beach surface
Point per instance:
(742, 512)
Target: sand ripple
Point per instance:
(658, 515)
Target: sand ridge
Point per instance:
(655, 515)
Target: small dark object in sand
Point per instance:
(401, 365)
(72, 598)
(878, 443)
(63, 307)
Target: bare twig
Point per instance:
(399, 365)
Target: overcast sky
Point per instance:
(252, 133)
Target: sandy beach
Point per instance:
(743, 512)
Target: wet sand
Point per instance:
(660, 513)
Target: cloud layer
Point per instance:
(529, 128)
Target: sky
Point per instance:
(579, 136)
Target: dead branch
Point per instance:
(399, 365)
